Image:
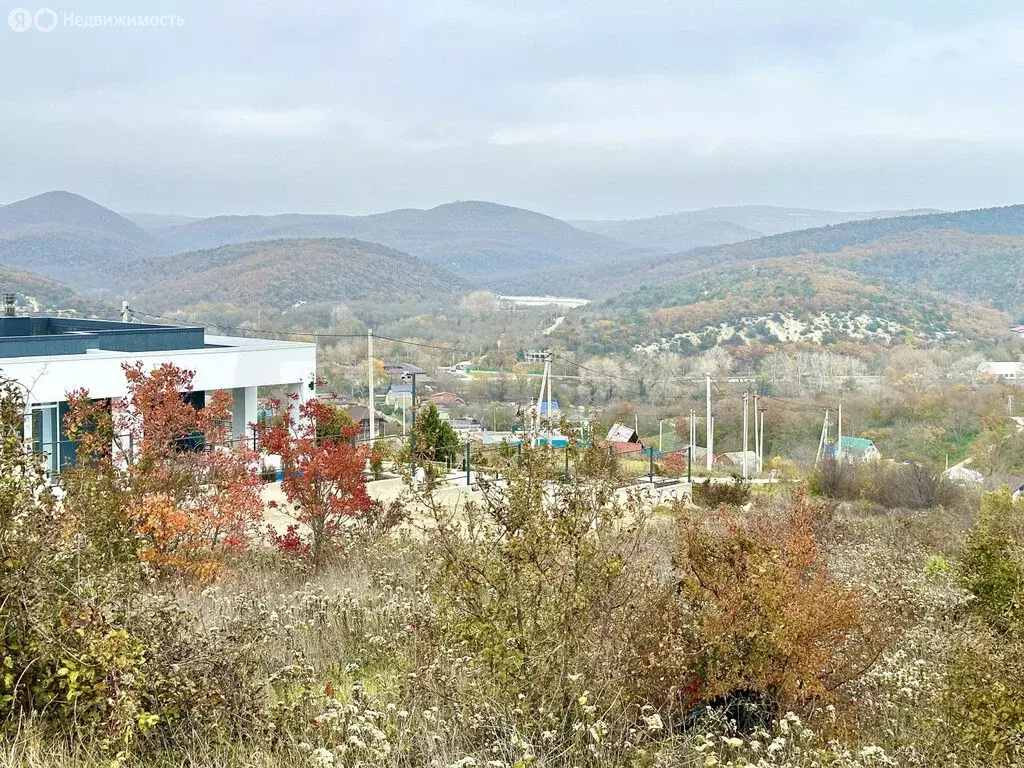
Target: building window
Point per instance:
(46, 435)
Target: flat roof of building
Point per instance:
(22, 337)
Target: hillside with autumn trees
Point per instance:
(970, 254)
(281, 274)
(778, 301)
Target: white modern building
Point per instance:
(49, 357)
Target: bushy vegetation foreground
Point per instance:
(548, 623)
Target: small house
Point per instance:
(1008, 371)
(621, 448)
(399, 395)
(620, 433)
(360, 415)
(443, 400)
(555, 410)
(853, 449)
(735, 459)
(962, 474)
(1017, 488)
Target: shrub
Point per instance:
(984, 700)
(85, 647)
(711, 494)
(189, 508)
(894, 486)
(754, 613)
(536, 586)
(993, 563)
(325, 483)
(836, 479)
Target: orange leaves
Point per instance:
(756, 610)
(191, 494)
(174, 539)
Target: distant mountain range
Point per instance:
(475, 240)
(728, 224)
(152, 222)
(979, 252)
(406, 261)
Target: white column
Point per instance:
(27, 425)
(298, 394)
(292, 402)
(123, 446)
(243, 412)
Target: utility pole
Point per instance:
(821, 442)
(689, 444)
(710, 459)
(369, 382)
(551, 418)
(693, 433)
(746, 431)
(757, 449)
(540, 400)
(760, 447)
(839, 437)
(412, 437)
(710, 428)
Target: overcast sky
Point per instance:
(578, 108)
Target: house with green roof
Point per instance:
(853, 448)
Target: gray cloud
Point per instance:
(576, 108)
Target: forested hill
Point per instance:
(976, 255)
(799, 299)
(69, 238)
(36, 294)
(281, 274)
(1008, 220)
(479, 241)
(727, 224)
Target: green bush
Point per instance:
(710, 494)
(993, 563)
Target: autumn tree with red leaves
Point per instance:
(190, 494)
(323, 477)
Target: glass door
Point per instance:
(46, 435)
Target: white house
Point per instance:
(962, 474)
(49, 356)
(1010, 371)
